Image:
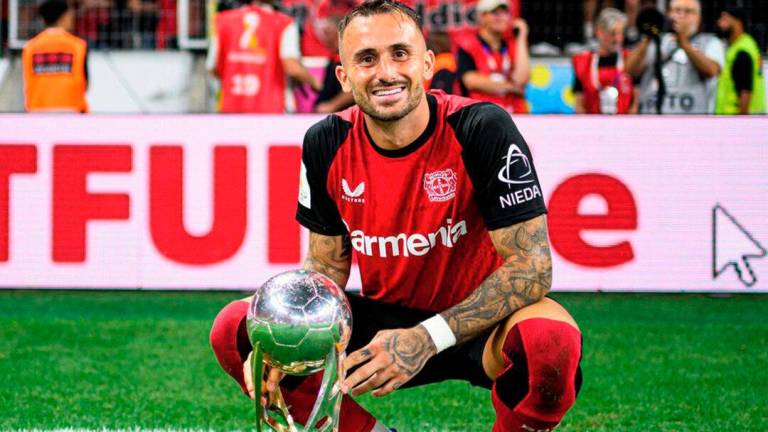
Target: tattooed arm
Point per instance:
(330, 256)
(524, 278)
(395, 356)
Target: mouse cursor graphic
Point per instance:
(733, 246)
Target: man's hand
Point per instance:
(270, 383)
(390, 360)
(521, 27)
(681, 33)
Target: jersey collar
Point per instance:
(415, 145)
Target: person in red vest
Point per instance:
(254, 50)
(494, 65)
(600, 84)
(55, 64)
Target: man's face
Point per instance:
(384, 63)
(611, 40)
(726, 23)
(497, 20)
(686, 14)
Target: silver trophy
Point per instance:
(300, 323)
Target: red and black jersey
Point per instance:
(418, 217)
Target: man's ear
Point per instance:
(429, 65)
(343, 79)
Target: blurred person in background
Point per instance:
(631, 8)
(254, 50)
(55, 64)
(444, 77)
(678, 69)
(94, 22)
(494, 65)
(600, 85)
(331, 97)
(741, 87)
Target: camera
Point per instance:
(652, 22)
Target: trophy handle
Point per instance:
(328, 403)
(327, 406)
(275, 418)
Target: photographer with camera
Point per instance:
(677, 65)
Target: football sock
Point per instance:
(541, 376)
(229, 340)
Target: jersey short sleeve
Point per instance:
(289, 42)
(499, 164)
(316, 210)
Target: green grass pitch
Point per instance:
(141, 360)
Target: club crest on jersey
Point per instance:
(440, 185)
(356, 195)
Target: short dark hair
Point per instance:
(52, 11)
(378, 7)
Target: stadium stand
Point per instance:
(125, 33)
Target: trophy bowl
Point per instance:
(298, 318)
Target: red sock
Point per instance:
(229, 340)
(539, 384)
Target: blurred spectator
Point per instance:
(444, 77)
(741, 87)
(631, 8)
(166, 25)
(678, 69)
(254, 50)
(93, 22)
(143, 16)
(55, 64)
(493, 63)
(600, 85)
(331, 97)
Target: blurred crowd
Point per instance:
(630, 56)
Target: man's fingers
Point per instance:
(248, 378)
(388, 388)
(377, 380)
(273, 379)
(362, 374)
(357, 357)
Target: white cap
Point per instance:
(490, 5)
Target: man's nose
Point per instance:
(387, 70)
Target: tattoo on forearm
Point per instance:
(330, 256)
(524, 278)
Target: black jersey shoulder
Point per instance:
(324, 138)
(475, 122)
(499, 164)
(321, 144)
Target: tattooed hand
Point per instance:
(390, 360)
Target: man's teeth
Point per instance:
(388, 92)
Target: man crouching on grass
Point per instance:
(439, 199)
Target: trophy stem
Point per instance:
(325, 414)
(257, 371)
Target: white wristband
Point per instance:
(440, 332)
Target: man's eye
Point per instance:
(366, 59)
(401, 54)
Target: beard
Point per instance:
(368, 107)
(724, 33)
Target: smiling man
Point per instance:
(438, 198)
